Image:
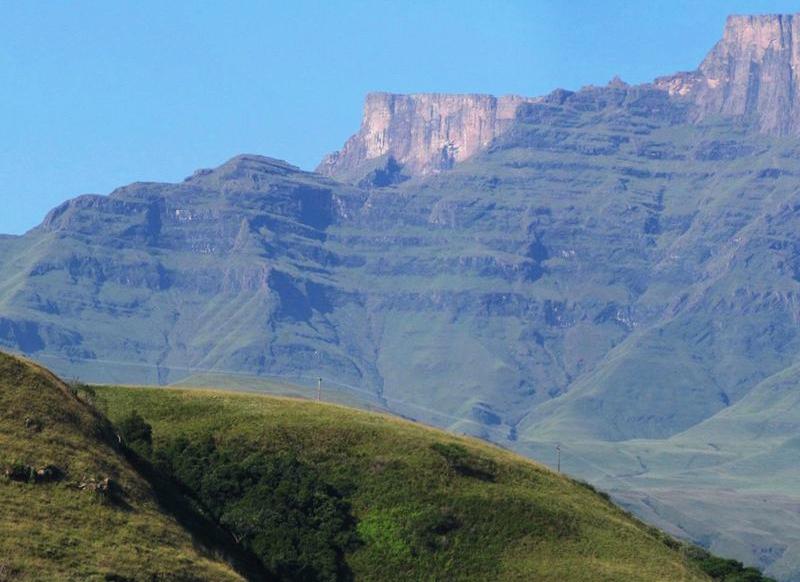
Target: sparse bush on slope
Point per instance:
(725, 570)
(136, 433)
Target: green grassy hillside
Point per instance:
(62, 525)
(427, 505)
(129, 484)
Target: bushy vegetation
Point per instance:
(136, 433)
(462, 462)
(278, 507)
(593, 489)
(724, 570)
(82, 391)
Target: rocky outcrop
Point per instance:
(423, 133)
(751, 73)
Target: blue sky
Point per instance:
(98, 94)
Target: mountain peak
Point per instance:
(742, 22)
(753, 40)
(749, 74)
(245, 164)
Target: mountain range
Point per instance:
(614, 269)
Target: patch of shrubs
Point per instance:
(82, 391)
(136, 434)
(276, 506)
(19, 472)
(465, 463)
(7, 572)
(432, 530)
(724, 570)
(105, 488)
(34, 424)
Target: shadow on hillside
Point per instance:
(206, 533)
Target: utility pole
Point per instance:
(319, 389)
(558, 451)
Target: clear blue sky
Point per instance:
(94, 95)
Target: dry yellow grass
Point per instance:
(56, 531)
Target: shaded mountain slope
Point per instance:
(562, 265)
(157, 280)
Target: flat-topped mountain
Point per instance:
(422, 133)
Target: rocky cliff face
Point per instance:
(751, 73)
(422, 133)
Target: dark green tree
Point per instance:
(136, 434)
(275, 505)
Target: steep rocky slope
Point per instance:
(157, 280)
(750, 76)
(751, 73)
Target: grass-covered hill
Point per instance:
(185, 483)
(424, 504)
(59, 517)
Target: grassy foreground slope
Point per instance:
(427, 505)
(62, 525)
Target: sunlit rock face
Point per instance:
(751, 74)
(424, 133)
